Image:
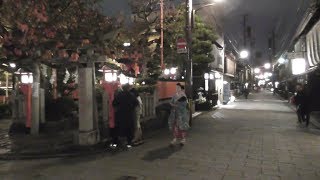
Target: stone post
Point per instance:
(88, 125)
(35, 100)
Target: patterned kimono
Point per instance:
(179, 117)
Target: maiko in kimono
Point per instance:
(179, 117)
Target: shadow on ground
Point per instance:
(161, 153)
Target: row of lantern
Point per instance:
(112, 76)
(211, 76)
(26, 77)
(109, 76)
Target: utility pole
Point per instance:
(273, 45)
(189, 69)
(245, 30)
(245, 40)
(161, 27)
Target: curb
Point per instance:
(12, 157)
(77, 152)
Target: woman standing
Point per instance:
(138, 112)
(179, 119)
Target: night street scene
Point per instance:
(159, 89)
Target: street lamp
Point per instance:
(267, 65)
(281, 60)
(126, 44)
(12, 65)
(244, 54)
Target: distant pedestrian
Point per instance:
(179, 118)
(125, 103)
(138, 112)
(246, 90)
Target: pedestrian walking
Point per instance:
(137, 140)
(125, 103)
(179, 119)
(302, 104)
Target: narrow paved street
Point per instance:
(257, 138)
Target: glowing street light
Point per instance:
(281, 60)
(267, 65)
(126, 44)
(173, 70)
(167, 71)
(12, 65)
(257, 70)
(244, 54)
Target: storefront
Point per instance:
(229, 75)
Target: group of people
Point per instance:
(127, 107)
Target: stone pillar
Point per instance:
(35, 100)
(88, 125)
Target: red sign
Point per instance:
(182, 46)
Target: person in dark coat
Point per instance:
(125, 103)
(301, 101)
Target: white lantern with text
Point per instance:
(206, 81)
(123, 79)
(108, 76)
(298, 66)
(166, 71)
(26, 78)
(211, 76)
(131, 80)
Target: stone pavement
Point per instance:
(16, 145)
(249, 139)
(314, 115)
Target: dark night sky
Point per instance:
(264, 16)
